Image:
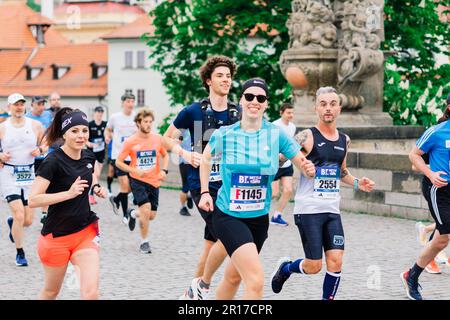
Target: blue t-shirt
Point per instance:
(436, 142)
(191, 117)
(45, 118)
(249, 165)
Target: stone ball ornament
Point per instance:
(296, 77)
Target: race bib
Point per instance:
(248, 192)
(23, 175)
(215, 169)
(146, 159)
(99, 145)
(327, 182)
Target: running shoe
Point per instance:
(145, 247)
(131, 219)
(114, 204)
(190, 203)
(441, 258)
(21, 261)
(278, 221)
(432, 268)
(411, 287)
(196, 291)
(92, 200)
(421, 234)
(10, 224)
(184, 212)
(278, 276)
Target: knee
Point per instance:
(334, 264)
(152, 215)
(19, 217)
(89, 294)
(234, 280)
(49, 294)
(288, 191)
(313, 267)
(256, 285)
(440, 243)
(27, 222)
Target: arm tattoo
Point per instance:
(344, 173)
(301, 138)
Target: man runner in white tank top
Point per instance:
(317, 200)
(120, 126)
(19, 138)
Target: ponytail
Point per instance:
(54, 132)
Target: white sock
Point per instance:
(276, 214)
(144, 240)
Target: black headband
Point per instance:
(255, 82)
(73, 119)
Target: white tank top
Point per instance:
(19, 142)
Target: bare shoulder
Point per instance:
(36, 124)
(303, 136)
(347, 139)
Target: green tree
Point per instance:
(188, 32)
(414, 87)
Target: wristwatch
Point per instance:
(166, 171)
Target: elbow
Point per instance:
(32, 202)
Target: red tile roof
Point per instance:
(133, 30)
(77, 82)
(14, 17)
(99, 7)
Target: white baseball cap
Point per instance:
(13, 98)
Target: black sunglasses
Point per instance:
(250, 96)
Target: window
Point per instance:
(33, 72)
(128, 59)
(141, 97)
(141, 59)
(59, 71)
(98, 69)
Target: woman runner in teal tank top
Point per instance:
(249, 150)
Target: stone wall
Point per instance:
(398, 188)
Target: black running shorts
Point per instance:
(234, 232)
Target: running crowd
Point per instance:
(232, 163)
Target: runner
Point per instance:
(286, 171)
(185, 197)
(145, 149)
(45, 117)
(19, 138)
(55, 103)
(39, 113)
(316, 211)
(436, 143)
(202, 118)
(96, 142)
(249, 150)
(120, 126)
(70, 232)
